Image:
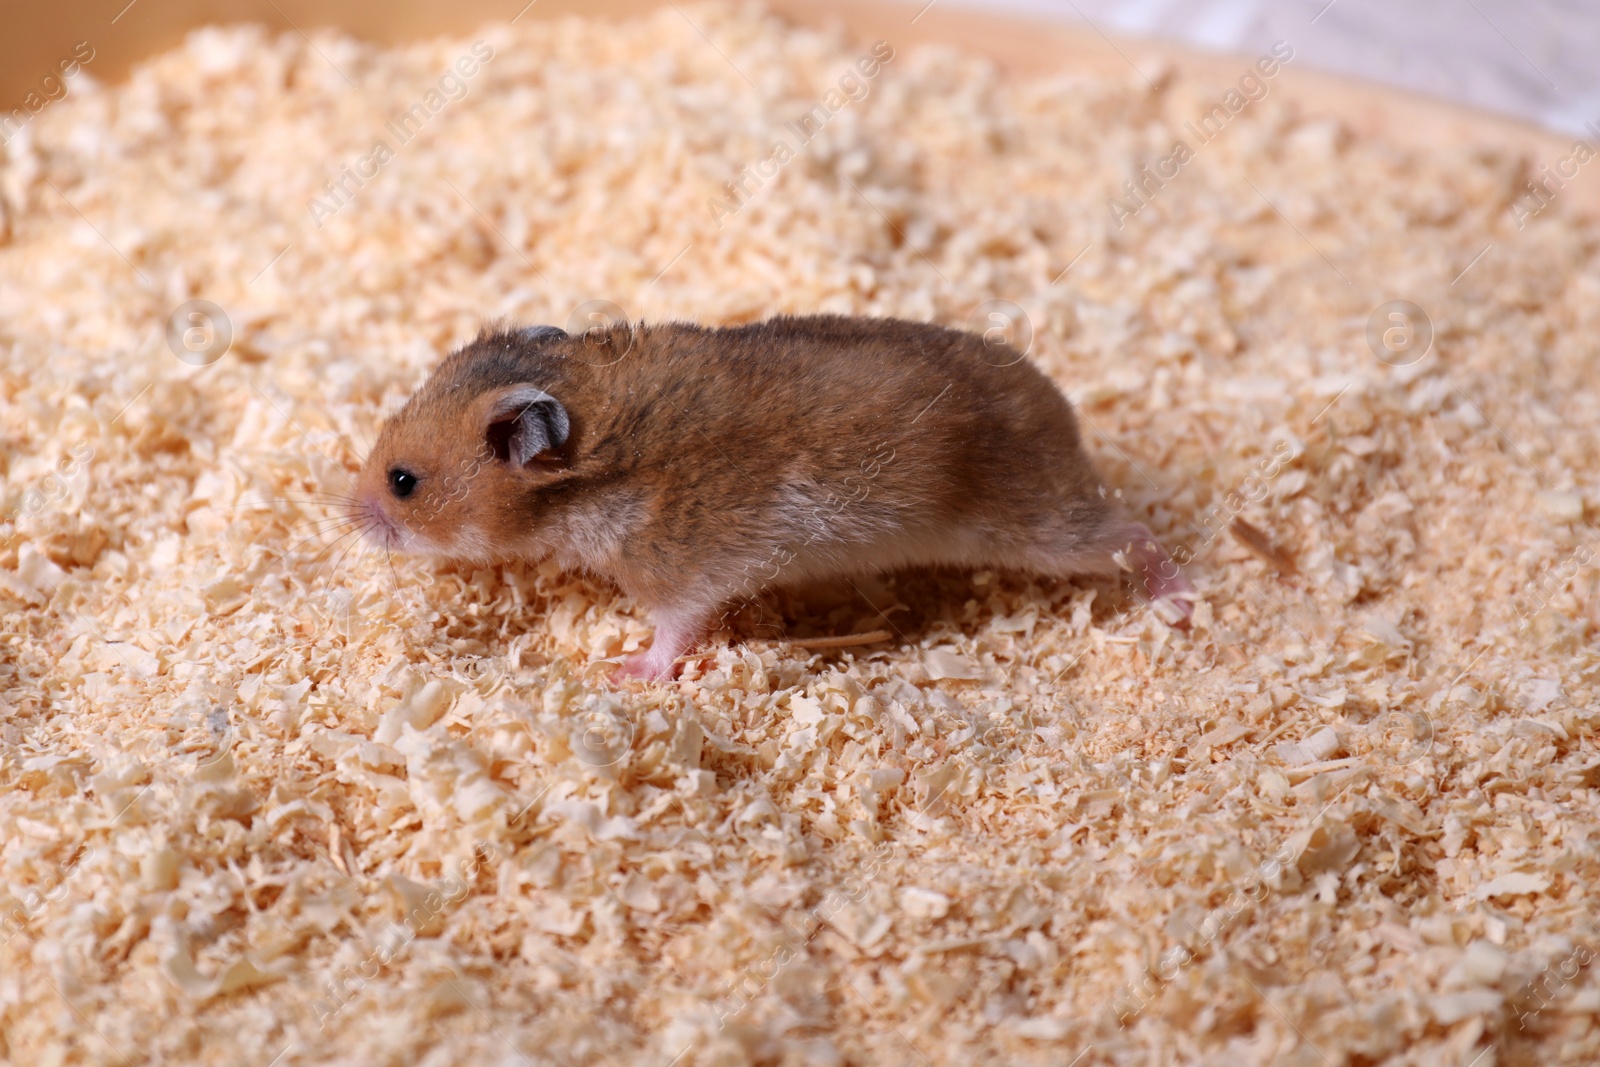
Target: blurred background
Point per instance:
(1533, 60)
(1537, 60)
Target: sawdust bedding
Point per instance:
(259, 808)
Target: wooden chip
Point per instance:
(1259, 543)
(871, 637)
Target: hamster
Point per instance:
(694, 466)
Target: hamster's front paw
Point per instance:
(644, 667)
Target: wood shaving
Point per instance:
(265, 798)
(1262, 546)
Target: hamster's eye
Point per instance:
(402, 482)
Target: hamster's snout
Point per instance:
(374, 521)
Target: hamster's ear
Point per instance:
(536, 334)
(523, 422)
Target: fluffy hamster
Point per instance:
(694, 466)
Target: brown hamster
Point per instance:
(694, 466)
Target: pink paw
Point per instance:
(1171, 598)
(1170, 593)
(676, 633)
(645, 667)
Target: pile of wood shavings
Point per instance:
(255, 806)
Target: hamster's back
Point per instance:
(833, 438)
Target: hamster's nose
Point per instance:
(374, 521)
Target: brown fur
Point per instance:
(705, 464)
